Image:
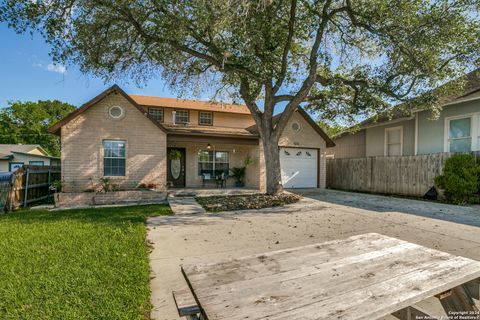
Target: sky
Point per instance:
(28, 74)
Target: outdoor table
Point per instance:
(362, 277)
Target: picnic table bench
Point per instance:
(362, 277)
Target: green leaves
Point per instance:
(460, 179)
(341, 58)
(28, 122)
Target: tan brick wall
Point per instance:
(82, 199)
(82, 147)
(235, 160)
(307, 137)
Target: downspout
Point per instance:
(416, 133)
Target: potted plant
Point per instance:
(239, 173)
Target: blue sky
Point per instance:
(27, 74)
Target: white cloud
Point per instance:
(58, 68)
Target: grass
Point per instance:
(245, 202)
(76, 264)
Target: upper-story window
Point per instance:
(181, 116)
(205, 118)
(394, 141)
(156, 114)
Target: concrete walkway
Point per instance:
(320, 216)
(185, 205)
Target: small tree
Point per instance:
(28, 123)
(342, 57)
(460, 179)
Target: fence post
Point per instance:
(49, 182)
(25, 193)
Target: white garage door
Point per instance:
(299, 167)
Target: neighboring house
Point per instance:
(134, 139)
(14, 156)
(457, 129)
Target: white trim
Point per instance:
(460, 99)
(385, 146)
(416, 134)
(474, 130)
(378, 124)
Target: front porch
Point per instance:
(195, 164)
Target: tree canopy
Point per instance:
(341, 58)
(28, 122)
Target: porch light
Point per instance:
(209, 146)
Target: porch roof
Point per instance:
(181, 129)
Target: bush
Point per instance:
(460, 179)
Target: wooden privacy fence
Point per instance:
(402, 175)
(30, 184)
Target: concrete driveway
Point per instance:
(320, 216)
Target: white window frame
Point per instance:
(385, 146)
(474, 130)
(105, 157)
(176, 115)
(214, 162)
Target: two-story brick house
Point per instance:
(167, 142)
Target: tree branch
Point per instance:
(288, 45)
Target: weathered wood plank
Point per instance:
(412, 313)
(341, 280)
(458, 300)
(185, 302)
(473, 288)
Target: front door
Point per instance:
(176, 166)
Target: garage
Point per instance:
(299, 167)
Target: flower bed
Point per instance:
(244, 202)
(85, 199)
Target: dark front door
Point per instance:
(176, 166)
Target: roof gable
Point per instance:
(23, 148)
(309, 120)
(468, 93)
(55, 129)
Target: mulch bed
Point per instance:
(243, 202)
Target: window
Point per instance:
(205, 118)
(116, 112)
(156, 114)
(36, 163)
(14, 166)
(113, 158)
(213, 163)
(181, 116)
(459, 135)
(393, 141)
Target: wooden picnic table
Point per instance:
(362, 277)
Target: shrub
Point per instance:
(460, 179)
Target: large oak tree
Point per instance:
(343, 58)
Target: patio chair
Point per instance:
(206, 177)
(221, 180)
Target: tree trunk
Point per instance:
(272, 166)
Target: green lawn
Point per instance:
(78, 264)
